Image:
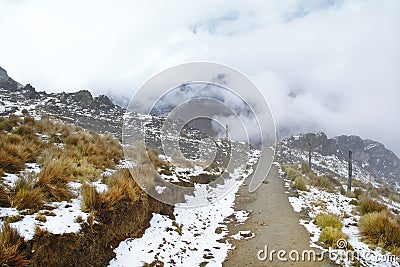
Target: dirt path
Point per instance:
(273, 222)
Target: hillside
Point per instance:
(67, 196)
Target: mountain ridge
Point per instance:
(99, 113)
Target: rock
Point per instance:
(102, 102)
(3, 74)
(31, 92)
(83, 98)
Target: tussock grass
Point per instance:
(24, 194)
(290, 171)
(329, 237)
(11, 247)
(367, 205)
(300, 183)
(4, 199)
(57, 171)
(90, 198)
(381, 228)
(328, 220)
(393, 197)
(122, 187)
(305, 168)
(325, 182)
(41, 218)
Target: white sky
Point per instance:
(323, 65)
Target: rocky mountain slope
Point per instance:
(369, 155)
(102, 115)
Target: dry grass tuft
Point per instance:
(328, 220)
(90, 198)
(122, 187)
(24, 194)
(380, 228)
(329, 237)
(290, 171)
(57, 171)
(300, 183)
(367, 205)
(4, 199)
(11, 247)
(325, 182)
(305, 168)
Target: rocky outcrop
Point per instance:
(6, 82)
(368, 154)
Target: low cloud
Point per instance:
(322, 65)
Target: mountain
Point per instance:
(369, 155)
(102, 115)
(80, 108)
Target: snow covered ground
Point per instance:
(317, 201)
(197, 236)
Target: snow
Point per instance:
(63, 221)
(194, 237)
(317, 201)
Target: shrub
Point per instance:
(329, 237)
(380, 228)
(328, 220)
(300, 183)
(90, 198)
(367, 205)
(11, 247)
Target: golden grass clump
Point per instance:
(324, 220)
(101, 151)
(290, 171)
(326, 182)
(329, 237)
(13, 156)
(57, 171)
(380, 228)
(4, 199)
(300, 183)
(90, 198)
(24, 194)
(367, 205)
(11, 247)
(122, 187)
(305, 168)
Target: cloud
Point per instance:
(323, 65)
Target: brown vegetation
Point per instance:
(381, 228)
(12, 247)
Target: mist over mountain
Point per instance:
(99, 113)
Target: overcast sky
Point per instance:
(323, 65)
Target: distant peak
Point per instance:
(3, 73)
